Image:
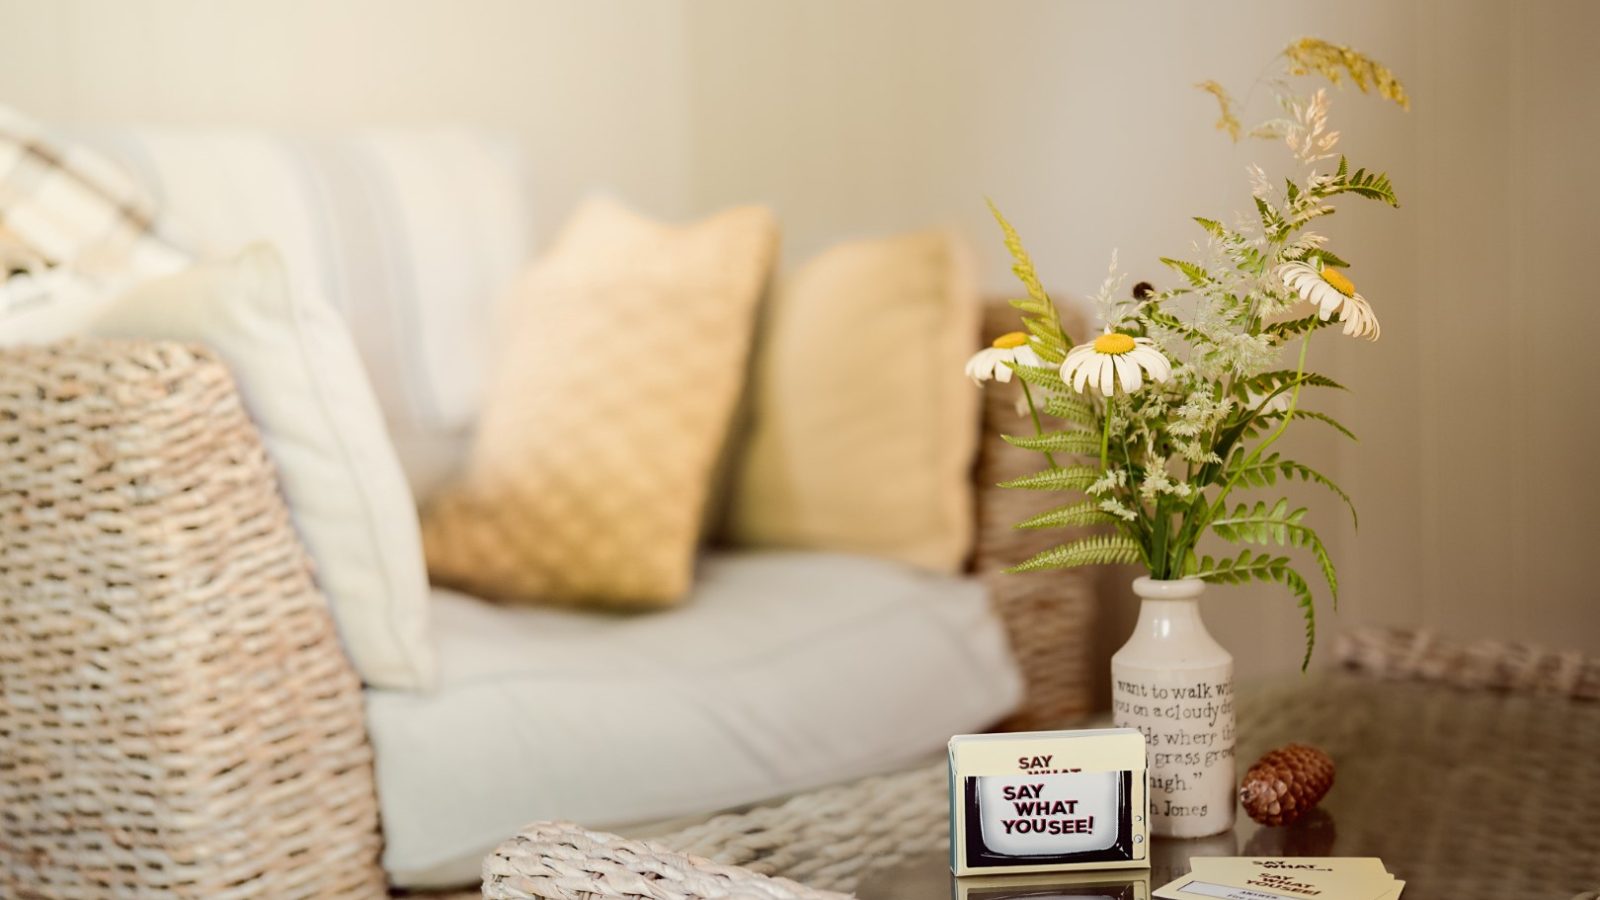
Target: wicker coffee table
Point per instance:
(1464, 792)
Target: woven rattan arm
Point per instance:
(1423, 655)
(560, 861)
(177, 718)
(1049, 616)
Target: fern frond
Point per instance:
(1086, 512)
(1328, 257)
(1158, 317)
(1077, 443)
(1047, 377)
(1327, 420)
(1278, 524)
(1196, 274)
(1282, 331)
(1335, 61)
(1108, 549)
(1372, 185)
(1267, 382)
(1272, 222)
(1226, 119)
(1266, 471)
(1266, 418)
(1235, 570)
(1267, 568)
(1071, 478)
(1247, 258)
(1073, 409)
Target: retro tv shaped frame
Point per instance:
(1048, 801)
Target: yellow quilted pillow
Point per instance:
(623, 353)
(863, 424)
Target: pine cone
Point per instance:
(1284, 784)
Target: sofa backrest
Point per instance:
(411, 235)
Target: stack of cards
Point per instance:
(1286, 878)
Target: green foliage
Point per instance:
(1048, 341)
(1047, 377)
(1071, 478)
(1040, 314)
(1282, 331)
(1164, 459)
(1372, 185)
(1071, 409)
(1327, 420)
(1281, 380)
(1085, 512)
(1078, 443)
(1266, 471)
(1268, 568)
(1328, 257)
(1264, 525)
(1108, 549)
(1273, 223)
(1175, 325)
(1269, 417)
(1196, 274)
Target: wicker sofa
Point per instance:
(177, 716)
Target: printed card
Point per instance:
(1289, 878)
(1048, 801)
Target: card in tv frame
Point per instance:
(1048, 801)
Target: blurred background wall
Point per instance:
(1477, 410)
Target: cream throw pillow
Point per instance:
(303, 384)
(864, 425)
(623, 354)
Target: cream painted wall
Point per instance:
(596, 90)
(1476, 410)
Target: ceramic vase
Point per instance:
(1174, 682)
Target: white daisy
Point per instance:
(991, 361)
(1114, 357)
(1332, 293)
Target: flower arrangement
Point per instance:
(1161, 419)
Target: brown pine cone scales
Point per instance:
(1286, 783)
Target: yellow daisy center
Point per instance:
(1010, 341)
(1113, 344)
(1340, 283)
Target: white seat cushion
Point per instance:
(784, 671)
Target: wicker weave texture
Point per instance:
(558, 861)
(1488, 664)
(1049, 616)
(178, 719)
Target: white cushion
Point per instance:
(74, 228)
(783, 671)
(303, 385)
(411, 235)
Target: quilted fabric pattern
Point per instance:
(622, 358)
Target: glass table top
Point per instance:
(1462, 793)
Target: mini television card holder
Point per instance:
(1048, 801)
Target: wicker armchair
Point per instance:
(177, 718)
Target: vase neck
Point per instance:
(1169, 618)
(1170, 633)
